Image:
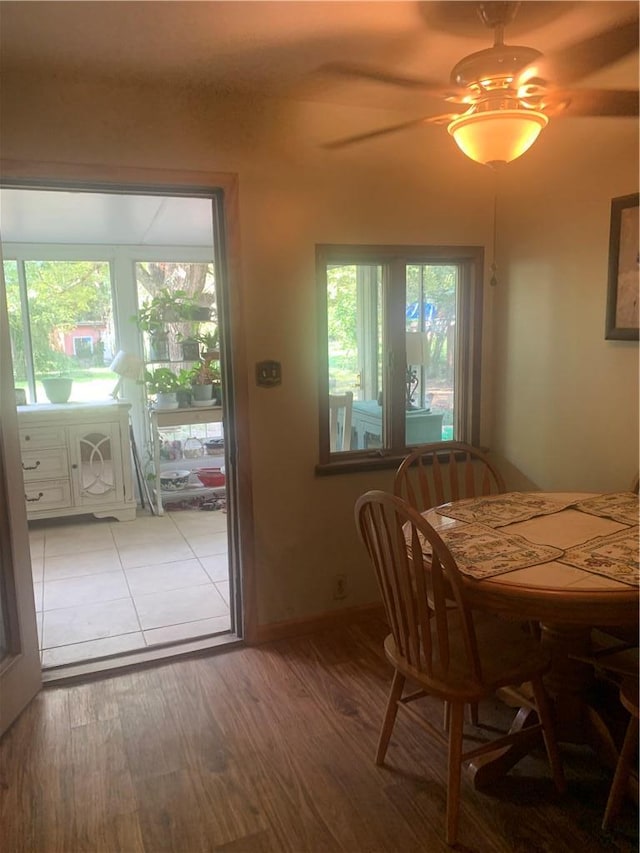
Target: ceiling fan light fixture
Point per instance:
(495, 137)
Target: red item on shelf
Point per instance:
(210, 476)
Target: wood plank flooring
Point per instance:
(269, 750)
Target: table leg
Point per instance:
(567, 682)
(488, 768)
(568, 679)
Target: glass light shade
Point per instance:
(497, 136)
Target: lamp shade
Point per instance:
(494, 137)
(126, 365)
(417, 348)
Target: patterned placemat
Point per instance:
(620, 506)
(499, 510)
(482, 552)
(613, 556)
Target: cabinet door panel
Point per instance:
(45, 464)
(96, 464)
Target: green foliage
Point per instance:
(56, 364)
(162, 380)
(346, 284)
(210, 340)
(341, 307)
(61, 295)
(204, 374)
(166, 306)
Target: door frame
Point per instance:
(20, 671)
(222, 189)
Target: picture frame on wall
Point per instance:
(624, 270)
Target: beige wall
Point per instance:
(565, 399)
(409, 188)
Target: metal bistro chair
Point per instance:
(452, 654)
(433, 474)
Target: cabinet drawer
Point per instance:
(48, 494)
(42, 436)
(45, 464)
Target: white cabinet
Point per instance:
(76, 459)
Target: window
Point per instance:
(400, 329)
(61, 323)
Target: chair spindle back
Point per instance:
(433, 474)
(417, 576)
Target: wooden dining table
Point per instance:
(566, 561)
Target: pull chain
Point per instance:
(493, 281)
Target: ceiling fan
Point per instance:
(499, 99)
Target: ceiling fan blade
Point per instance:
(364, 72)
(591, 102)
(575, 61)
(371, 134)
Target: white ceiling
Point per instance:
(36, 216)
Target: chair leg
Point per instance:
(397, 686)
(549, 734)
(621, 775)
(473, 715)
(456, 724)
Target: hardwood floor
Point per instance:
(271, 749)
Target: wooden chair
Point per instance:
(452, 654)
(446, 471)
(340, 413)
(629, 698)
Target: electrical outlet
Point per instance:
(340, 586)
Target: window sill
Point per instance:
(374, 462)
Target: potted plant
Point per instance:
(163, 383)
(168, 306)
(55, 376)
(57, 387)
(183, 392)
(210, 342)
(214, 369)
(190, 347)
(202, 379)
(150, 319)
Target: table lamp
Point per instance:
(416, 347)
(127, 366)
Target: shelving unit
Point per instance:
(163, 421)
(168, 419)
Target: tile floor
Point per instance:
(103, 586)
